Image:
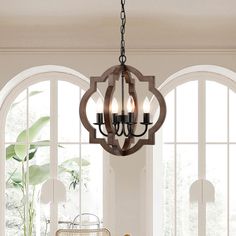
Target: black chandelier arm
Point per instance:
(121, 132)
(116, 127)
(138, 135)
(101, 131)
(126, 134)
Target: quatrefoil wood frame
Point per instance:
(111, 143)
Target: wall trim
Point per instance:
(113, 50)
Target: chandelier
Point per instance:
(122, 132)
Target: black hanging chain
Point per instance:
(122, 57)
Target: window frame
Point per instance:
(201, 73)
(9, 93)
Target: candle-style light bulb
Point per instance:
(114, 106)
(99, 106)
(146, 105)
(130, 104)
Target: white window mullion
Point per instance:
(27, 162)
(53, 150)
(2, 180)
(228, 163)
(201, 152)
(80, 171)
(156, 164)
(175, 162)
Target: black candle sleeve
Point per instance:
(99, 118)
(130, 117)
(114, 118)
(146, 118)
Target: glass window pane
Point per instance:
(69, 174)
(232, 191)
(39, 110)
(216, 173)
(69, 161)
(91, 110)
(168, 190)
(92, 185)
(187, 112)
(68, 112)
(232, 116)
(39, 172)
(15, 195)
(169, 125)
(216, 112)
(187, 173)
(84, 132)
(16, 118)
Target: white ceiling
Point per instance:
(171, 24)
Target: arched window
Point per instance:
(43, 139)
(198, 143)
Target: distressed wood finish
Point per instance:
(111, 143)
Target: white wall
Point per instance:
(129, 191)
(129, 198)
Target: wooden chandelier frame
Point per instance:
(111, 143)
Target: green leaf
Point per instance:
(17, 178)
(71, 166)
(14, 180)
(38, 174)
(31, 94)
(34, 130)
(31, 154)
(17, 185)
(10, 176)
(41, 143)
(17, 159)
(85, 162)
(77, 161)
(10, 151)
